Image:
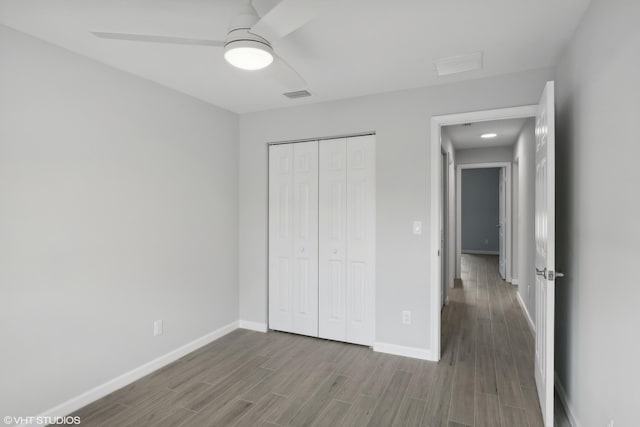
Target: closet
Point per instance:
(322, 238)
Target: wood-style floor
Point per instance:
(485, 377)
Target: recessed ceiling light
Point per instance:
(488, 135)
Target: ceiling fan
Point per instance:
(247, 43)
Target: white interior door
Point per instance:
(333, 239)
(280, 236)
(502, 215)
(361, 208)
(347, 239)
(293, 238)
(545, 251)
(305, 238)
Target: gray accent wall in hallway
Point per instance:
(479, 213)
(118, 206)
(598, 207)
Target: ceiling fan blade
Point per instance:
(288, 77)
(157, 39)
(287, 16)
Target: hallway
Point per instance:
(486, 336)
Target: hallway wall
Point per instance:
(484, 155)
(525, 151)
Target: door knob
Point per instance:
(551, 275)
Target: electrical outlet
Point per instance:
(486, 241)
(157, 328)
(406, 317)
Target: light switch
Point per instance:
(157, 328)
(417, 227)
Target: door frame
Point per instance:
(437, 122)
(508, 211)
(444, 227)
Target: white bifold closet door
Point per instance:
(347, 239)
(293, 238)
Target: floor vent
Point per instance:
(297, 94)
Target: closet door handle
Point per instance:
(335, 251)
(302, 249)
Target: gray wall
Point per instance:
(479, 213)
(598, 207)
(118, 206)
(402, 123)
(484, 155)
(524, 152)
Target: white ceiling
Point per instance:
(357, 47)
(465, 137)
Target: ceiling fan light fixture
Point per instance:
(248, 54)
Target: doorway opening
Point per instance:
(446, 265)
(484, 223)
(488, 332)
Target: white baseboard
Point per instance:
(400, 350)
(253, 326)
(526, 313)
(102, 390)
(474, 252)
(568, 408)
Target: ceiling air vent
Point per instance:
(459, 64)
(297, 94)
